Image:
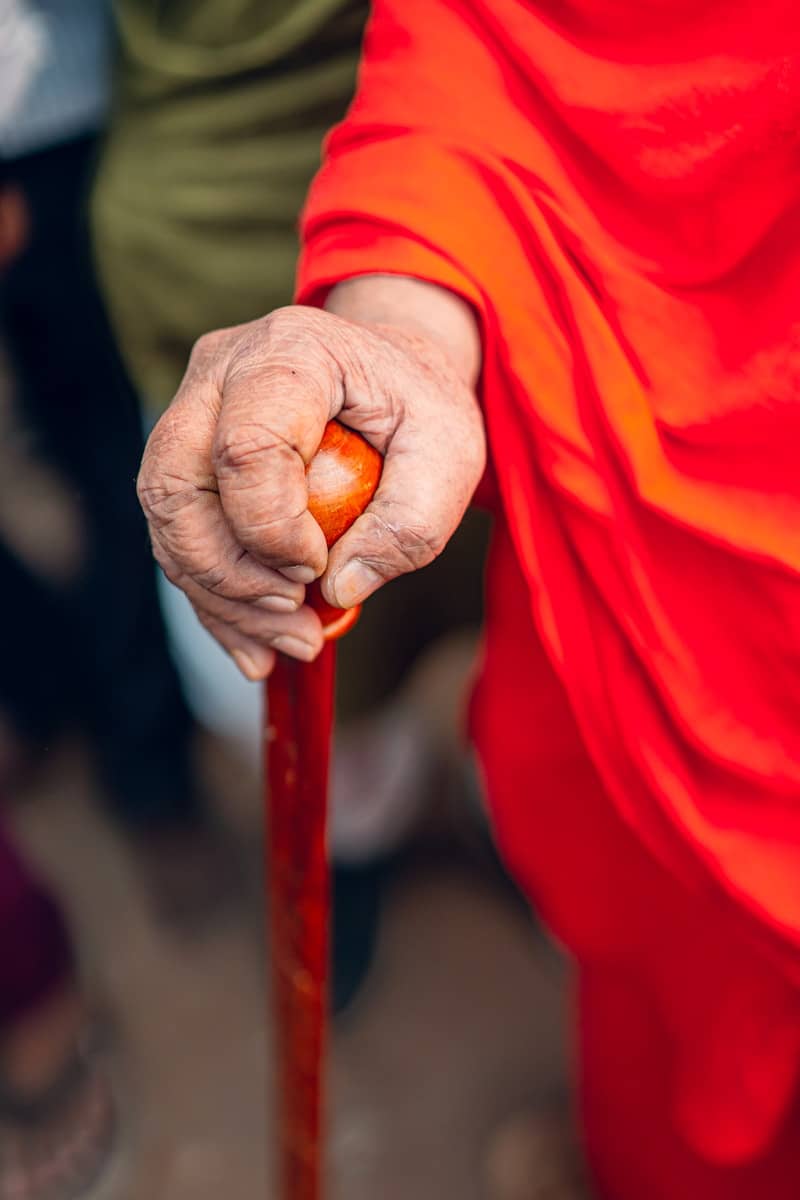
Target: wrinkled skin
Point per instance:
(223, 477)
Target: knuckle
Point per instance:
(160, 486)
(407, 544)
(477, 448)
(253, 625)
(242, 446)
(206, 345)
(213, 578)
(172, 563)
(257, 341)
(144, 488)
(171, 570)
(299, 341)
(152, 491)
(292, 319)
(282, 319)
(220, 582)
(417, 546)
(163, 496)
(274, 540)
(165, 561)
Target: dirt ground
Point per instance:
(459, 1028)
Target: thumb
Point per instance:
(426, 485)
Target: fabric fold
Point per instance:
(629, 239)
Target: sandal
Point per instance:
(58, 1144)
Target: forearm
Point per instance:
(416, 307)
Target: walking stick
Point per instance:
(342, 479)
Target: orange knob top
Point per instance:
(342, 478)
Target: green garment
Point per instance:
(221, 109)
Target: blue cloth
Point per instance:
(69, 93)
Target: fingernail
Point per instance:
(277, 604)
(353, 583)
(294, 647)
(247, 665)
(299, 574)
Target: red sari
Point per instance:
(614, 185)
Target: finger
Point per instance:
(298, 634)
(201, 547)
(278, 396)
(253, 660)
(178, 493)
(425, 488)
(197, 543)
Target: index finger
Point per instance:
(178, 492)
(281, 388)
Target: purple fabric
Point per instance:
(35, 948)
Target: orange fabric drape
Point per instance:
(614, 185)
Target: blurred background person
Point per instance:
(90, 642)
(220, 113)
(200, 209)
(211, 140)
(57, 1111)
(560, 201)
(57, 1119)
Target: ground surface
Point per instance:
(460, 1027)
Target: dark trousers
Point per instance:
(95, 650)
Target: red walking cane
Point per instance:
(342, 479)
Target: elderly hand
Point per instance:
(223, 477)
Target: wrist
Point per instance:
(417, 308)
